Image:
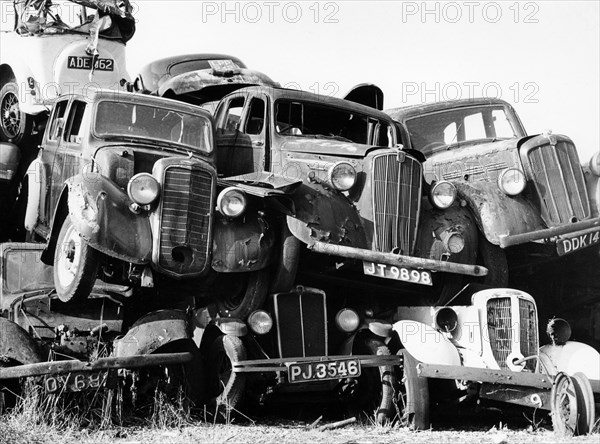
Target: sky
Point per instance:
(543, 57)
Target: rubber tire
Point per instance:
(373, 380)
(223, 352)
(254, 294)
(287, 262)
(85, 274)
(414, 393)
(25, 120)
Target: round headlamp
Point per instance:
(512, 181)
(260, 322)
(347, 320)
(446, 320)
(443, 194)
(231, 202)
(143, 189)
(595, 164)
(453, 240)
(342, 176)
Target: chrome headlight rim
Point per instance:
(336, 182)
(134, 193)
(260, 322)
(226, 197)
(436, 187)
(446, 319)
(347, 320)
(594, 164)
(521, 183)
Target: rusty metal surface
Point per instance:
(587, 226)
(99, 210)
(396, 259)
(61, 367)
(525, 396)
(280, 364)
(16, 344)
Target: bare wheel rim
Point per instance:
(565, 412)
(69, 261)
(11, 114)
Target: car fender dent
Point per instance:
(100, 212)
(497, 214)
(571, 358)
(426, 344)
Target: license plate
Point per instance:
(323, 370)
(397, 273)
(77, 62)
(77, 382)
(566, 246)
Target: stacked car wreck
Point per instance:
(273, 244)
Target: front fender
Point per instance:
(99, 210)
(153, 331)
(243, 244)
(28, 102)
(571, 358)
(16, 344)
(496, 213)
(325, 215)
(426, 344)
(374, 327)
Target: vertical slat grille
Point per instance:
(529, 331)
(301, 324)
(396, 202)
(560, 183)
(499, 322)
(185, 219)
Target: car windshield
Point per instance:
(308, 119)
(451, 128)
(130, 120)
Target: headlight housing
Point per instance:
(443, 194)
(347, 320)
(260, 322)
(512, 181)
(231, 202)
(342, 176)
(446, 320)
(143, 189)
(595, 164)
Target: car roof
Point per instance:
(406, 112)
(163, 65)
(294, 94)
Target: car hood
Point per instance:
(195, 81)
(326, 147)
(473, 149)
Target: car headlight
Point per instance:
(453, 240)
(231, 202)
(347, 320)
(260, 322)
(143, 189)
(342, 176)
(595, 164)
(443, 194)
(512, 181)
(446, 320)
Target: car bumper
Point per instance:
(397, 259)
(571, 230)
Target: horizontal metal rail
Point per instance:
(281, 364)
(397, 259)
(61, 367)
(575, 229)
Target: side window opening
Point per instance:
(58, 120)
(231, 122)
(74, 122)
(255, 121)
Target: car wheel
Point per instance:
(226, 387)
(413, 395)
(75, 265)
(375, 390)
(15, 125)
(242, 293)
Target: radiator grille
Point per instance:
(500, 329)
(301, 324)
(560, 183)
(185, 219)
(396, 202)
(529, 331)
